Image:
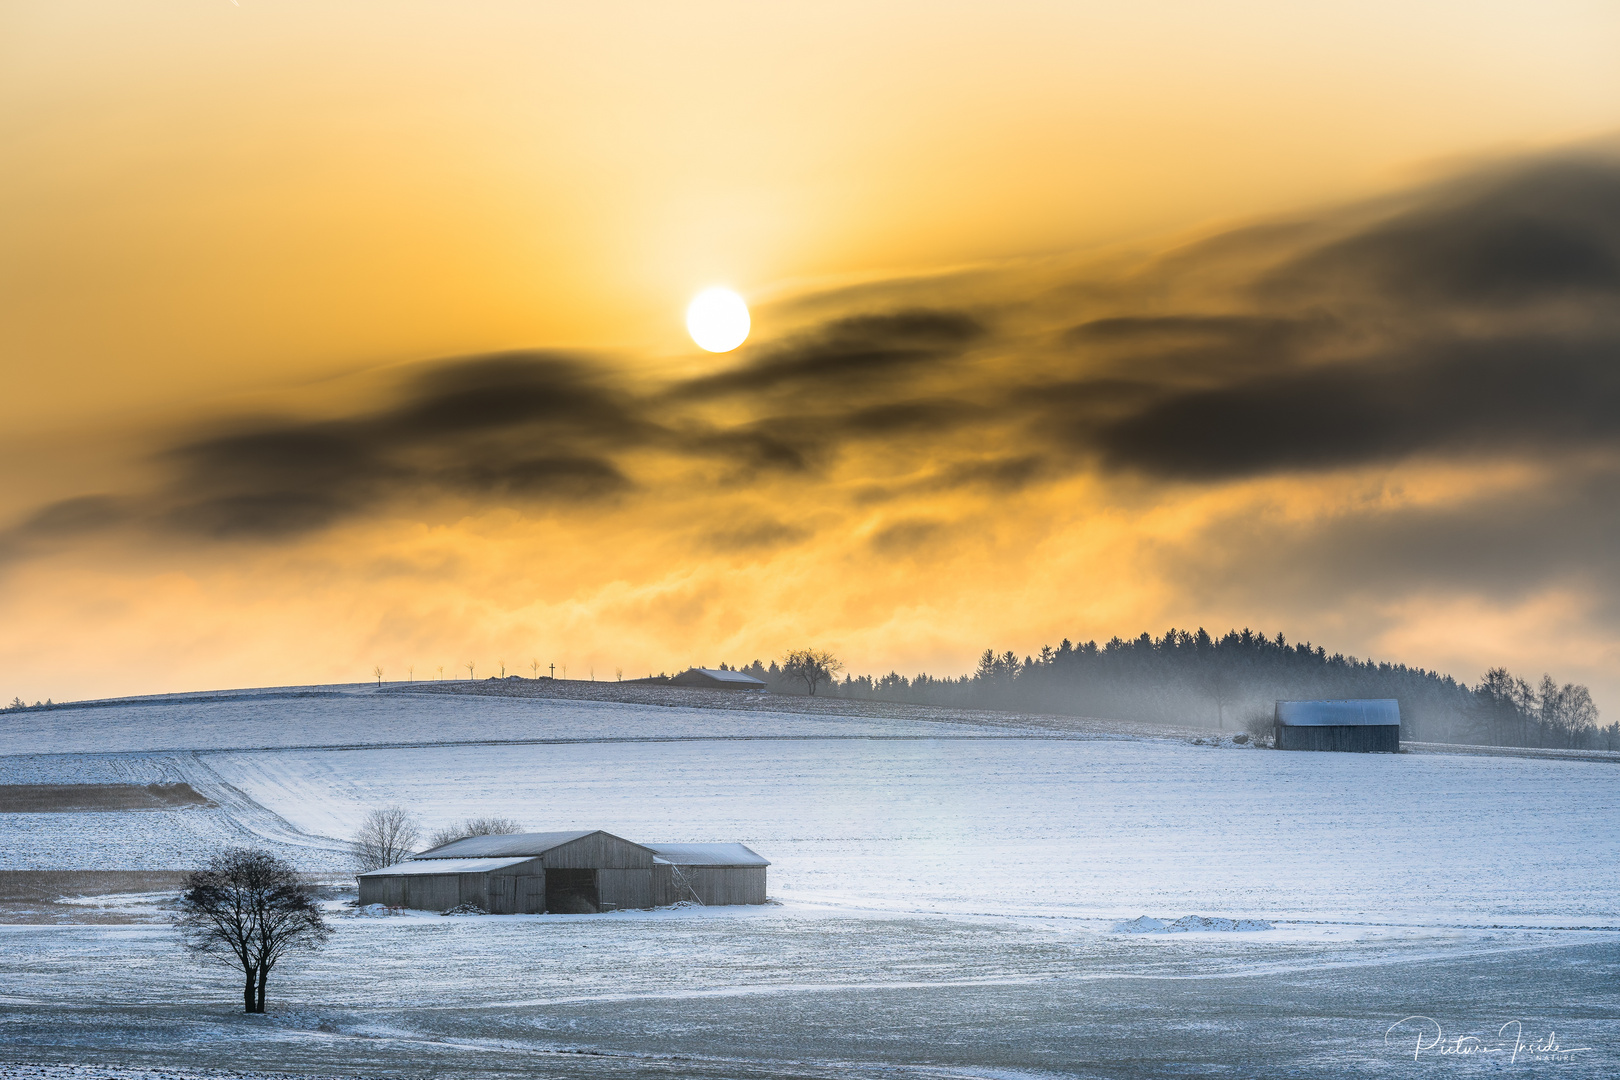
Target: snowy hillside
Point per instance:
(888, 814)
(958, 888)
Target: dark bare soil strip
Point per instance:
(91, 798)
(40, 896)
(56, 896)
(30, 885)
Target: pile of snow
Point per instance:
(466, 909)
(1148, 925)
(375, 909)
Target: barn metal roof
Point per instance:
(741, 678)
(445, 866)
(1366, 712)
(706, 855)
(525, 843)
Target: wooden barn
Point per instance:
(1371, 725)
(568, 873)
(716, 679)
(707, 874)
(520, 873)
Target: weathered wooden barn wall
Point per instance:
(521, 893)
(382, 890)
(599, 851)
(664, 889)
(1357, 738)
(727, 884)
(714, 885)
(618, 889)
(505, 891)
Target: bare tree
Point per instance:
(387, 835)
(812, 666)
(534, 666)
(249, 909)
(1220, 685)
(378, 672)
(618, 673)
(1261, 726)
(410, 673)
(485, 826)
(470, 665)
(492, 826)
(503, 667)
(1567, 713)
(441, 672)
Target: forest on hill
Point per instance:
(1231, 682)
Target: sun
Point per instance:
(718, 320)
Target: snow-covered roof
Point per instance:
(445, 866)
(1367, 712)
(741, 678)
(706, 855)
(525, 843)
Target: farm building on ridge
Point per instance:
(716, 679)
(566, 873)
(1371, 725)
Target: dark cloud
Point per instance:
(1477, 318)
(992, 475)
(63, 521)
(521, 426)
(934, 415)
(1001, 473)
(1472, 398)
(1159, 329)
(1473, 318)
(1511, 236)
(755, 535)
(535, 395)
(847, 355)
(754, 448)
(1506, 542)
(906, 537)
(70, 516)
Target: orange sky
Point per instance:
(223, 218)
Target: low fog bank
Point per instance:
(1232, 683)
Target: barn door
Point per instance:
(502, 895)
(571, 892)
(531, 895)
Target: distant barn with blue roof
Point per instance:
(1367, 725)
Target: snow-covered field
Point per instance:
(948, 891)
(358, 716)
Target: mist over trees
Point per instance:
(1191, 677)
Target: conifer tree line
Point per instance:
(1191, 677)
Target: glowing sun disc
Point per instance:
(718, 320)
